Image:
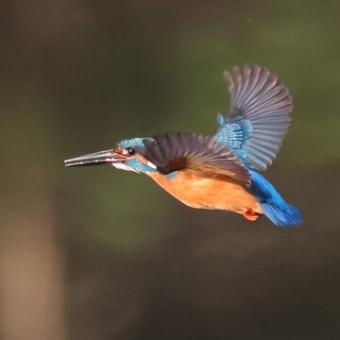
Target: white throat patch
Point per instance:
(122, 166)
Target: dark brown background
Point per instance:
(94, 253)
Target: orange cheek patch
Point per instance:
(118, 150)
(142, 159)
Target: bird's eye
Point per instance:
(130, 151)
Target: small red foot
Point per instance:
(251, 215)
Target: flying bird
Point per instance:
(220, 172)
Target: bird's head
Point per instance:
(125, 155)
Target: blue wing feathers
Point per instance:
(258, 118)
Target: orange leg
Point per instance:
(251, 215)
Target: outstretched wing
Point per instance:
(259, 115)
(189, 151)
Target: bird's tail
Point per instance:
(272, 203)
(282, 215)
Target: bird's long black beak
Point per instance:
(96, 158)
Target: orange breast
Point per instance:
(210, 193)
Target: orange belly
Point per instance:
(210, 193)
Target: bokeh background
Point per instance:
(94, 253)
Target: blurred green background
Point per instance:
(94, 253)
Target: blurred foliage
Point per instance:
(78, 76)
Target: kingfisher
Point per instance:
(221, 172)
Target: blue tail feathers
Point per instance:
(284, 215)
(273, 205)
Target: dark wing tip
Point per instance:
(256, 82)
